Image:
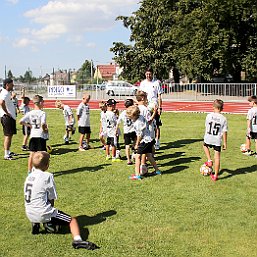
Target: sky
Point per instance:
(41, 35)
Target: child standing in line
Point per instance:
(102, 131)
(215, 130)
(25, 129)
(144, 143)
(15, 102)
(128, 130)
(69, 120)
(251, 125)
(84, 122)
(111, 121)
(36, 120)
(40, 194)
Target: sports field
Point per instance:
(180, 213)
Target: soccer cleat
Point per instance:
(213, 177)
(157, 172)
(24, 148)
(248, 153)
(108, 158)
(35, 228)
(209, 163)
(84, 244)
(116, 160)
(13, 154)
(157, 147)
(130, 163)
(8, 157)
(135, 177)
(103, 147)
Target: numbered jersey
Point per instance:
(127, 123)
(111, 122)
(68, 115)
(252, 116)
(36, 118)
(215, 126)
(83, 113)
(39, 188)
(142, 129)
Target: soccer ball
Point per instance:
(49, 149)
(243, 148)
(151, 106)
(143, 170)
(205, 170)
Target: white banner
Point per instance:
(62, 91)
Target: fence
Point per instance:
(184, 92)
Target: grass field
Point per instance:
(180, 213)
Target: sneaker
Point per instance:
(8, 157)
(135, 177)
(103, 147)
(157, 172)
(81, 149)
(248, 153)
(116, 160)
(209, 163)
(24, 148)
(13, 154)
(84, 244)
(130, 163)
(213, 177)
(157, 146)
(35, 228)
(108, 158)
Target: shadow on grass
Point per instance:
(61, 151)
(238, 171)
(179, 143)
(81, 169)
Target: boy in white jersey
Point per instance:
(251, 132)
(69, 120)
(40, 194)
(144, 142)
(111, 122)
(216, 128)
(36, 120)
(25, 129)
(102, 130)
(128, 130)
(84, 122)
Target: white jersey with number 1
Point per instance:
(215, 126)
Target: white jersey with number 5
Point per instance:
(215, 126)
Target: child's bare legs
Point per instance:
(74, 228)
(102, 140)
(143, 159)
(207, 152)
(127, 150)
(81, 138)
(25, 140)
(248, 143)
(137, 164)
(152, 161)
(30, 161)
(87, 138)
(107, 150)
(216, 162)
(113, 151)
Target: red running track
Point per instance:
(168, 106)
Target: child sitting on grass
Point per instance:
(144, 142)
(215, 129)
(40, 193)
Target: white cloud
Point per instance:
(65, 17)
(23, 42)
(12, 1)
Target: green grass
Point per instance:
(180, 213)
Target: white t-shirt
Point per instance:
(67, 112)
(103, 122)
(111, 122)
(127, 123)
(6, 97)
(39, 188)
(215, 126)
(142, 129)
(252, 116)
(36, 118)
(24, 109)
(152, 88)
(83, 113)
(147, 115)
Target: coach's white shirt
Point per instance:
(6, 97)
(152, 88)
(39, 188)
(215, 126)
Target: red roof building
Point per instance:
(107, 72)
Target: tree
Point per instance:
(9, 74)
(28, 77)
(85, 73)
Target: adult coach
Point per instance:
(8, 117)
(154, 95)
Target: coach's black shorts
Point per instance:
(9, 125)
(37, 144)
(144, 148)
(129, 138)
(158, 121)
(215, 147)
(84, 130)
(61, 218)
(26, 130)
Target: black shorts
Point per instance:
(111, 141)
(158, 121)
(61, 218)
(84, 130)
(253, 135)
(215, 147)
(130, 137)
(26, 130)
(37, 144)
(144, 148)
(9, 125)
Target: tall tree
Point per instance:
(85, 73)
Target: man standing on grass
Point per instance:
(8, 117)
(154, 96)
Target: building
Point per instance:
(105, 72)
